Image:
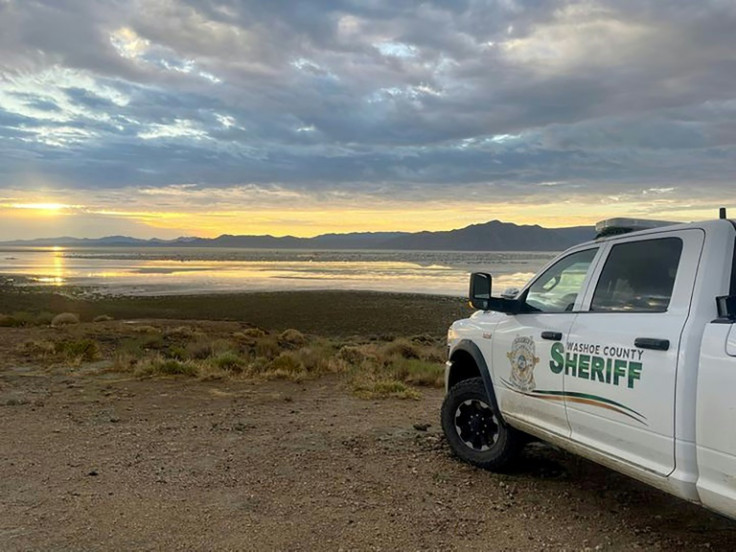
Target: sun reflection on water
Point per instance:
(141, 271)
(55, 270)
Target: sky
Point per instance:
(174, 118)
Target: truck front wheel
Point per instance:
(474, 428)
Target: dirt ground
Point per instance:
(94, 461)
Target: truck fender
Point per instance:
(467, 346)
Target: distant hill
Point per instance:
(489, 236)
(496, 236)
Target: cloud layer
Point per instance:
(225, 105)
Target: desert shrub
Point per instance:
(7, 321)
(18, 320)
(158, 366)
(44, 318)
(419, 372)
(316, 359)
(79, 350)
(184, 332)
(176, 352)
(23, 318)
(208, 372)
(423, 340)
(145, 329)
(286, 361)
(124, 362)
(40, 349)
(352, 355)
(402, 348)
(218, 346)
(435, 354)
(286, 366)
(292, 339)
(229, 361)
(254, 333)
(198, 350)
(267, 347)
(64, 319)
(142, 343)
(102, 318)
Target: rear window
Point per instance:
(638, 276)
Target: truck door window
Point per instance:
(638, 276)
(558, 287)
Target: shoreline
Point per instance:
(330, 313)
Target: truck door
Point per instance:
(525, 388)
(620, 359)
(716, 444)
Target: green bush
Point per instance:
(79, 350)
(229, 361)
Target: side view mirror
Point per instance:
(481, 284)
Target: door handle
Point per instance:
(652, 343)
(552, 336)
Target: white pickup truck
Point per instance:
(621, 350)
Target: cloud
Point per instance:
(483, 99)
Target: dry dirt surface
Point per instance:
(100, 462)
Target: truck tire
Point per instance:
(475, 430)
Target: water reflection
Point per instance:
(154, 272)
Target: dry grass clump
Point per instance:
(123, 362)
(292, 339)
(229, 361)
(285, 366)
(267, 347)
(250, 333)
(159, 366)
(182, 332)
(401, 348)
(78, 350)
(357, 355)
(382, 370)
(44, 318)
(103, 318)
(24, 319)
(374, 368)
(74, 351)
(420, 372)
(37, 349)
(64, 319)
(145, 329)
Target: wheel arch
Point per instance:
(468, 362)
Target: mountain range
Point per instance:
(490, 236)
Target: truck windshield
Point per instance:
(558, 287)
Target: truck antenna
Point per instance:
(722, 213)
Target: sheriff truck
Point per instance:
(621, 350)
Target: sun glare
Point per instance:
(41, 206)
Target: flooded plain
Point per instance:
(173, 271)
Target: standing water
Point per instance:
(168, 271)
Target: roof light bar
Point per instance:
(610, 227)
